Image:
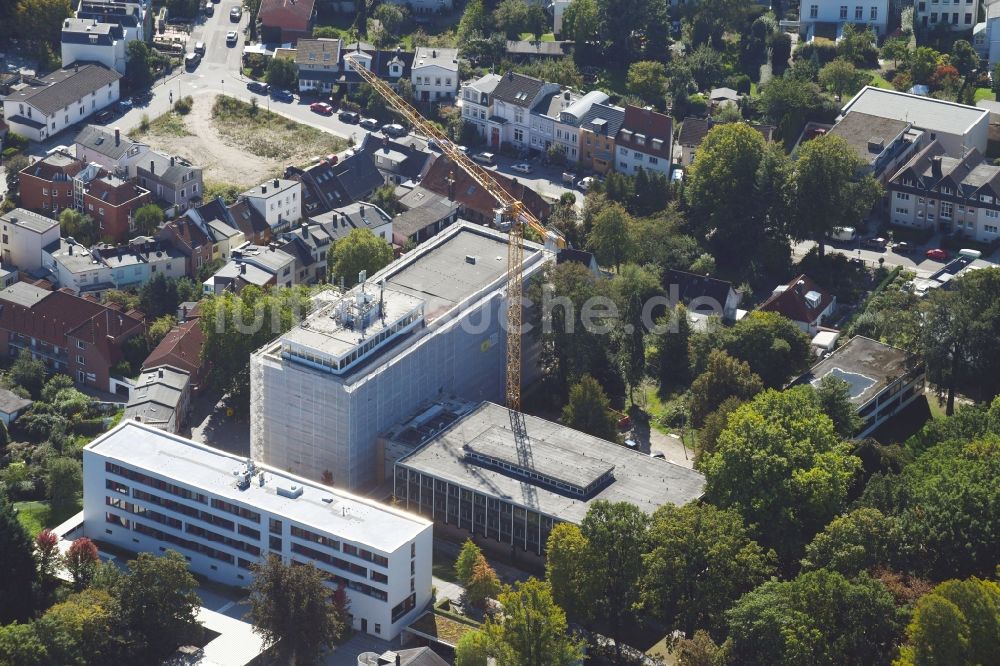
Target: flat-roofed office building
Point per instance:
(146, 490)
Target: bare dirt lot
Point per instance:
(237, 146)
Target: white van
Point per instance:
(485, 158)
(199, 48)
(844, 234)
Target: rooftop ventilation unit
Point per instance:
(289, 490)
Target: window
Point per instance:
(968, 18)
(874, 14)
(653, 160)
(990, 228)
(843, 12)
(933, 17)
(903, 196)
(858, 13)
(519, 135)
(813, 11)
(378, 628)
(81, 360)
(946, 210)
(274, 526)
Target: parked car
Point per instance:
(485, 158)
(231, 38)
(369, 124)
(875, 244)
(348, 117)
(209, 8)
(321, 107)
(937, 254)
(394, 130)
(523, 167)
(125, 104)
(844, 234)
(104, 116)
(433, 145)
(282, 95)
(902, 248)
(586, 183)
(199, 48)
(191, 60)
(258, 87)
(235, 14)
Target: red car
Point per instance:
(321, 107)
(937, 254)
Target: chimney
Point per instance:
(276, 182)
(160, 373)
(118, 136)
(243, 268)
(434, 53)
(171, 160)
(936, 166)
(152, 166)
(263, 189)
(361, 211)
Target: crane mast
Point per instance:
(513, 210)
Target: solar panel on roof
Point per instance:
(856, 382)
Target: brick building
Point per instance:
(47, 185)
(112, 202)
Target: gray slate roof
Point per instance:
(99, 140)
(65, 86)
(518, 89)
(80, 31)
(614, 115)
(11, 402)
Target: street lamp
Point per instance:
(223, 86)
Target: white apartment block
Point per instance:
(935, 191)
(279, 201)
(954, 14)
(812, 13)
(434, 73)
(146, 490)
(430, 322)
(64, 98)
(477, 106)
(514, 97)
(567, 126)
(545, 115)
(86, 40)
(24, 236)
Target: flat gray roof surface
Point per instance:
(24, 294)
(868, 366)
(347, 516)
(30, 220)
(646, 482)
(923, 112)
(858, 129)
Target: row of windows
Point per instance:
(154, 483)
(219, 538)
(222, 505)
(426, 80)
(143, 512)
(184, 509)
(357, 586)
(183, 543)
(330, 560)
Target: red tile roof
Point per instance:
(286, 14)
(114, 191)
(792, 303)
(181, 348)
(649, 123)
(469, 194)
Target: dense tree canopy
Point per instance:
(772, 345)
(17, 562)
(360, 250)
(957, 623)
(588, 410)
(724, 377)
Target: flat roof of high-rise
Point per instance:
(479, 450)
(330, 510)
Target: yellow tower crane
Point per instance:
(512, 209)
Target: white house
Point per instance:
(545, 115)
(558, 9)
(146, 490)
(62, 99)
(986, 35)
(814, 14)
(278, 200)
(954, 14)
(132, 17)
(434, 73)
(87, 40)
(476, 101)
(514, 96)
(567, 126)
(24, 235)
(645, 141)
(318, 62)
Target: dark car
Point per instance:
(104, 116)
(875, 244)
(394, 130)
(282, 95)
(903, 248)
(191, 60)
(369, 124)
(348, 117)
(258, 87)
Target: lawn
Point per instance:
(530, 37)
(879, 81)
(36, 516)
(652, 404)
(985, 94)
(444, 567)
(267, 134)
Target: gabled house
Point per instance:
(545, 115)
(318, 63)
(929, 15)
(390, 66)
(310, 244)
(339, 222)
(434, 73)
(160, 398)
(477, 105)
(804, 302)
(598, 128)
(113, 202)
(330, 182)
(936, 191)
(109, 149)
(476, 204)
(284, 21)
(426, 214)
(693, 131)
(645, 141)
(701, 294)
(567, 125)
(398, 162)
(181, 348)
(171, 181)
(250, 222)
(279, 200)
(87, 40)
(67, 96)
(253, 265)
(192, 240)
(513, 98)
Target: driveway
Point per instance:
(916, 261)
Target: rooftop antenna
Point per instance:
(381, 300)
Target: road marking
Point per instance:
(226, 607)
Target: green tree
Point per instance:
(531, 630)
(148, 218)
(923, 61)
(707, 65)
(138, 61)
(780, 464)
(702, 560)
(616, 538)
(724, 377)
(80, 630)
(281, 73)
(588, 410)
(581, 21)
(290, 607)
(857, 46)
(819, 618)
(829, 195)
(996, 89)
(957, 623)
(834, 395)
(772, 345)
(28, 373)
(634, 289)
(20, 645)
(157, 604)
(895, 50)
(466, 561)
(565, 568)
(536, 21)
(159, 329)
(393, 18)
(80, 226)
(610, 238)
(618, 23)
(788, 102)
(842, 78)
(854, 542)
(475, 21)
(159, 296)
(65, 483)
(714, 424)
(56, 384)
(17, 562)
(42, 20)
(483, 584)
(386, 199)
(511, 18)
(671, 360)
(648, 80)
(360, 250)
(963, 57)
(14, 166)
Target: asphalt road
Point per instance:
(915, 261)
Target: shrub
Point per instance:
(184, 104)
(825, 51)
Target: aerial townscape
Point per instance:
(499, 333)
